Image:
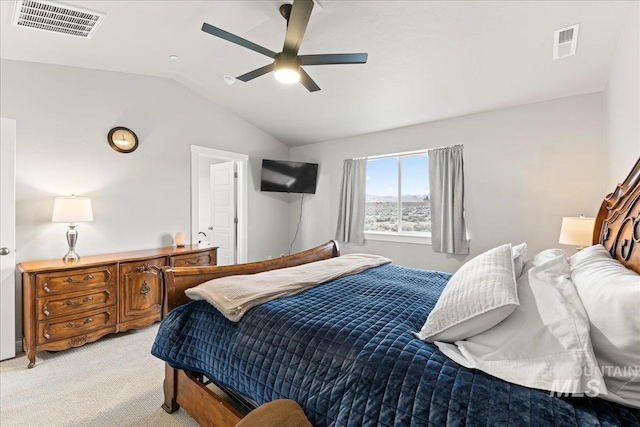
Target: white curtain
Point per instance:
(446, 187)
(352, 199)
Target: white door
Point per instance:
(7, 238)
(223, 211)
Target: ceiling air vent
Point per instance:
(565, 41)
(55, 17)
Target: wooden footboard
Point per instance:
(179, 279)
(187, 390)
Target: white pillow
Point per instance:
(610, 293)
(544, 343)
(478, 296)
(519, 255)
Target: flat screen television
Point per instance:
(284, 176)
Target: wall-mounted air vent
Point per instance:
(565, 41)
(56, 17)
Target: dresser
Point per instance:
(67, 306)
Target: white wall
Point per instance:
(139, 199)
(623, 101)
(525, 168)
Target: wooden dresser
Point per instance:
(67, 306)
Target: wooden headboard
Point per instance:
(618, 221)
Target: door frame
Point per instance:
(242, 161)
(10, 342)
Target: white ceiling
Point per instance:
(428, 60)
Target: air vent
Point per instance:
(565, 41)
(55, 17)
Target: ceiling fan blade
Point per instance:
(256, 73)
(334, 58)
(297, 25)
(215, 31)
(308, 82)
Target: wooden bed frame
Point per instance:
(617, 228)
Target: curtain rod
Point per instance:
(406, 153)
(448, 146)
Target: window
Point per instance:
(397, 200)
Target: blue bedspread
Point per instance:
(346, 353)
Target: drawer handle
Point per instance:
(72, 280)
(145, 289)
(190, 261)
(73, 325)
(73, 303)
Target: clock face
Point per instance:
(122, 139)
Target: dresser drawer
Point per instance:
(69, 305)
(75, 280)
(72, 326)
(194, 260)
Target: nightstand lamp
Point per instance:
(72, 210)
(577, 231)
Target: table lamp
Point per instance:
(72, 210)
(577, 231)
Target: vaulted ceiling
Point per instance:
(428, 60)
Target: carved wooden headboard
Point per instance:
(618, 221)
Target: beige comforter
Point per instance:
(233, 296)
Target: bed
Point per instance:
(347, 353)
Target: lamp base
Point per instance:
(72, 237)
(71, 258)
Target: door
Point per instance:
(223, 211)
(7, 238)
(140, 293)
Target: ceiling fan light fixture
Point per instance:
(287, 75)
(287, 68)
(287, 64)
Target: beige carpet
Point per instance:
(112, 382)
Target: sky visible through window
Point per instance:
(382, 176)
(384, 211)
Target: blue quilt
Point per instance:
(346, 353)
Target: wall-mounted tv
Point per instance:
(288, 177)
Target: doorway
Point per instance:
(219, 202)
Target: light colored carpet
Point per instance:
(114, 381)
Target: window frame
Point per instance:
(423, 238)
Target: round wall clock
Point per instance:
(122, 139)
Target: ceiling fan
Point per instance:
(287, 64)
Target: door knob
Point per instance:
(4, 251)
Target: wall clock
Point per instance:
(122, 139)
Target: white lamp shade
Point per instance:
(577, 231)
(72, 209)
